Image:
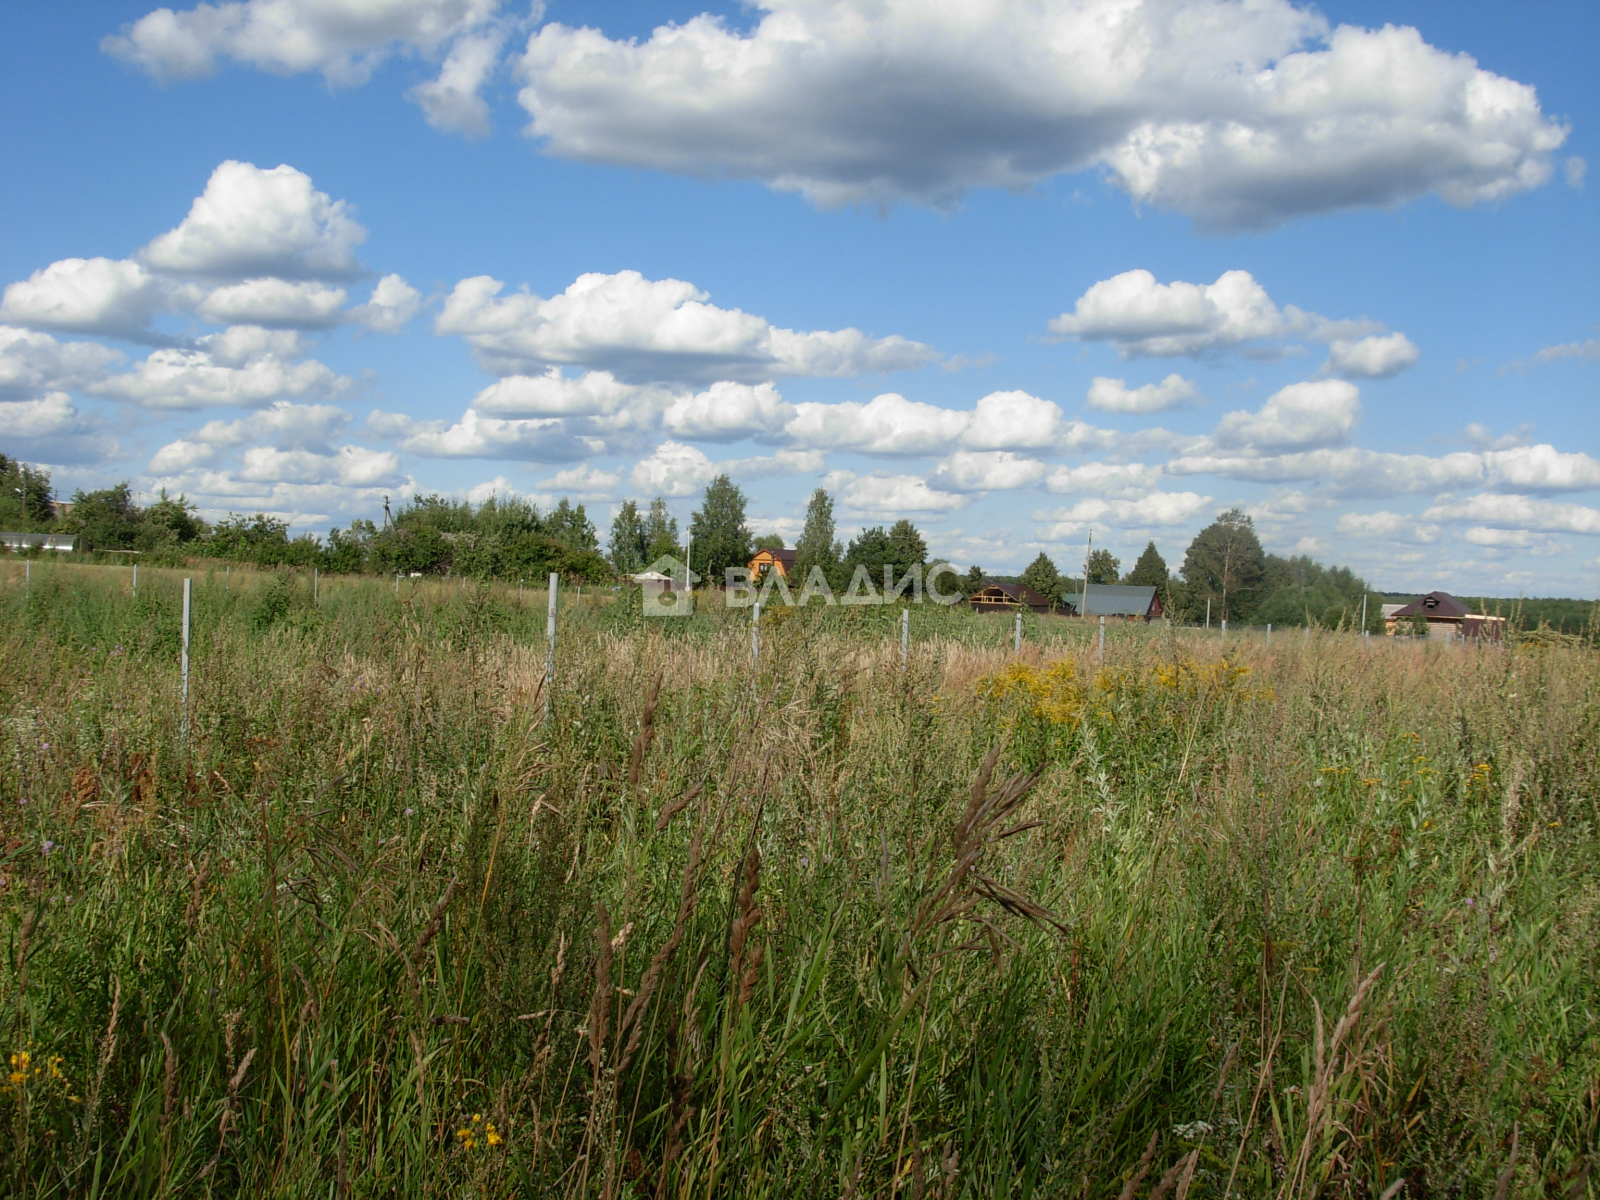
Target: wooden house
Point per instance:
(1008, 597)
(781, 561)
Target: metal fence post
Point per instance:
(905, 635)
(1102, 637)
(314, 593)
(1224, 628)
(1016, 635)
(550, 643)
(755, 632)
(1269, 633)
(184, 662)
(135, 581)
(397, 585)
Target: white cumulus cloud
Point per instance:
(987, 470)
(673, 469)
(393, 303)
(1154, 509)
(1240, 114)
(1125, 481)
(343, 40)
(883, 495)
(1012, 421)
(251, 222)
(452, 101)
(31, 363)
(887, 424)
(112, 297)
(652, 330)
(1114, 395)
(728, 411)
(49, 429)
(1377, 356)
(1143, 317)
(243, 367)
(1302, 416)
(1518, 512)
(274, 303)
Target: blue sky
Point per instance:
(1014, 271)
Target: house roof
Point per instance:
(1020, 593)
(1435, 604)
(786, 557)
(1113, 600)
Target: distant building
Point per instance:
(1123, 601)
(38, 541)
(781, 561)
(1007, 597)
(1447, 619)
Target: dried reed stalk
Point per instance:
(646, 734)
(632, 1025)
(1140, 1169)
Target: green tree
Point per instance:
(661, 532)
(628, 544)
(1225, 564)
(571, 527)
(721, 539)
(769, 541)
(1103, 567)
(27, 501)
(907, 545)
(1043, 577)
(168, 523)
(972, 581)
(1150, 570)
(816, 546)
(107, 519)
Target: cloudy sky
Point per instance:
(1016, 270)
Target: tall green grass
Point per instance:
(1307, 920)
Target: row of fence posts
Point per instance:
(553, 601)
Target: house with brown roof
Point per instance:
(1008, 597)
(1446, 617)
(781, 561)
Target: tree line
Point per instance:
(511, 538)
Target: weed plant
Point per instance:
(1197, 919)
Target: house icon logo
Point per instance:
(668, 587)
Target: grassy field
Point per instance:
(1199, 919)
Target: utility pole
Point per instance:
(1083, 598)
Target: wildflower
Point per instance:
(410, 811)
(1471, 903)
(491, 1136)
(47, 846)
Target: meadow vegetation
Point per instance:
(1195, 919)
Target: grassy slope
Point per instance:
(371, 908)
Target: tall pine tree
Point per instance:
(1150, 570)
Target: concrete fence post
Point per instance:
(1102, 638)
(1269, 634)
(755, 632)
(1016, 634)
(550, 642)
(314, 592)
(184, 656)
(1224, 628)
